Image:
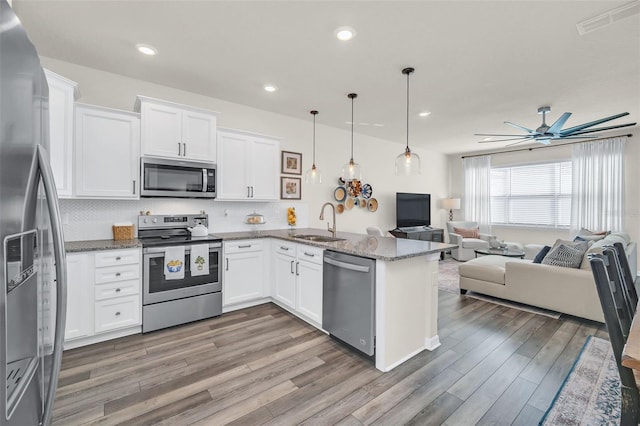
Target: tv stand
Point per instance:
(424, 233)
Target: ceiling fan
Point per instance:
(545, 133)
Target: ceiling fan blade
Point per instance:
(600, 129)
(510, 139)
(574, 129)
(517, 126)
(516, 143)
(499, 135)
(557, 126)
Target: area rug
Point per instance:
(590, 395)
(448, 278)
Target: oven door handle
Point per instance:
(150, 250)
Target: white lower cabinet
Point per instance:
(103, 296)
(244, 271)
(297, 279)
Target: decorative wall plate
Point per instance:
(367, 191)
(373, 205)
(363, 203)
(340, 193)
(354, 188)
(340, 208)
(348, 204)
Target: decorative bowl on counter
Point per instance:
(255, 219)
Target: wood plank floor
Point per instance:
(263, 366)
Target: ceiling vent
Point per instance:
(609, 17)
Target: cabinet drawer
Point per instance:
(117, 289)
(117, 257)
(117, 273)
(243, 246)
(285, 247)
(117, 313)
(310, 254)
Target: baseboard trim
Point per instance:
(431, 343)
(400, 361)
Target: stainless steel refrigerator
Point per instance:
(32, 260)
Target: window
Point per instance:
(532, 195)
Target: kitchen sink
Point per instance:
(318, 238)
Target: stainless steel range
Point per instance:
(177, 289)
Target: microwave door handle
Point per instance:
(204, 180)
(61, 275)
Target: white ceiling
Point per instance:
(478, 63)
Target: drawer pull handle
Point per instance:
(117, 290)
(292, 262)
(309, 254)
(245, 246)
(118, 258)
(284, 248)
(118, 313)
(118, 274)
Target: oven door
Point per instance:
(158, 289)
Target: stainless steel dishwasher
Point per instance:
(348, 299)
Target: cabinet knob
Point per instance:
(117, 314)
(118, 274)
(118, 258)
(117, 290)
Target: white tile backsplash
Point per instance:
(92, 219)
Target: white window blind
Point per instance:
(532, 195)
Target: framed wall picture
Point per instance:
(290, 188)
(292, 163)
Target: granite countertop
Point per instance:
(383, 248)
(92, 245)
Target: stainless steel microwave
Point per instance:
(177, 178)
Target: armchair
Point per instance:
(466, 246)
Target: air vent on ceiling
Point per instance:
(609, 17)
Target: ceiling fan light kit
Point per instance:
(351, 170)
(407, 162)
(313, 175)
(545, 134)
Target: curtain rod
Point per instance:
(544, 146)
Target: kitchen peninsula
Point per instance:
(406, 287)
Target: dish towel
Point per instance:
(174, 263)
(199, 260)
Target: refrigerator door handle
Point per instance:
(61, 276)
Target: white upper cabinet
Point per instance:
(248, 166)
(62, 93)
(107, 157)
(176, 131)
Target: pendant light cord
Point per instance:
(408, 73)
(314, 113)
(352, 98)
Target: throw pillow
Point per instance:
(467, 233)
(565, 256)
(541, 254)
(581, 245)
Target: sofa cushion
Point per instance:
(485, 268)
(580, 245)
(467, 232)
(565, 256)
(541, 254)
(474, 243)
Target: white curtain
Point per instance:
(477, 194)
(597, 200)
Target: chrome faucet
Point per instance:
(333, 208)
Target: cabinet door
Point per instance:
(243, 277)
(107, 153)
(309, 300)
(232, 167)
(199, 136)
(265, 169)
(61, 97)
(284, 285)
(79, 296)
(161, 130)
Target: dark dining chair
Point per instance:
(629, 276)
(619, 289)
(630, 410)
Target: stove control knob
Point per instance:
(145, 220)
(155, 220)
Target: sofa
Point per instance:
(466, 246)
(567, 290)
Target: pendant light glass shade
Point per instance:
(351, 170)
(313, 175)
(407, 162)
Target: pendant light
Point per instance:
(313, 175)
(351, 170)
(407, 162)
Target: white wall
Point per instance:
(376, 156)
(542, 236)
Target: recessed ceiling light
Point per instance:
(486, 139)
(345, 33)
(378, 125)
(270, 88)
(363, 124)
(425, 113)
(146, 49)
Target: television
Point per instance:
(412, 210)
